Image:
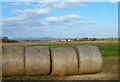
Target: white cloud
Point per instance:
(59, 19)
(18, 4)
(76, 23)
(15, 4)
(68, 5)
(91, 22)
(113, 0)
(34, 11)
(33, 19)
(82, 0)
(61, 5)
(27, 4)
(50, 0)
(60, 0)
(21, 23)
(29, 18)
(26, 21)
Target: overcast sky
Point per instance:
(59, 19)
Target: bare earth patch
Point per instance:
(109, 72)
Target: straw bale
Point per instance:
(64, 61)
(90, 59)
(13, 61)
(37, 60)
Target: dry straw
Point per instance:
(13, 61)
(37, 60)
(64, 61)
(90, 59)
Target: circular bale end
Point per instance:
(37, 60)
(13, 61)
(64, 61)
(90, 59)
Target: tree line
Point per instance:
(7, 40)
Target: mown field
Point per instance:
(107, 48)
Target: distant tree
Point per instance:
(27, 40)
(6, 40)
(85, 39)
(75, 39)
(94, 39)
(13, 41)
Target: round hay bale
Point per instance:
(37, 60)
(13, 61)
(64, 61)
(90, 59)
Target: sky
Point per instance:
(59, 19)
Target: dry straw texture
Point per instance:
(64, 61)
(13, 61)
(37, 60)
(90, 59)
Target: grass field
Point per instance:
(107, 48)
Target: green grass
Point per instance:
(106, 48)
